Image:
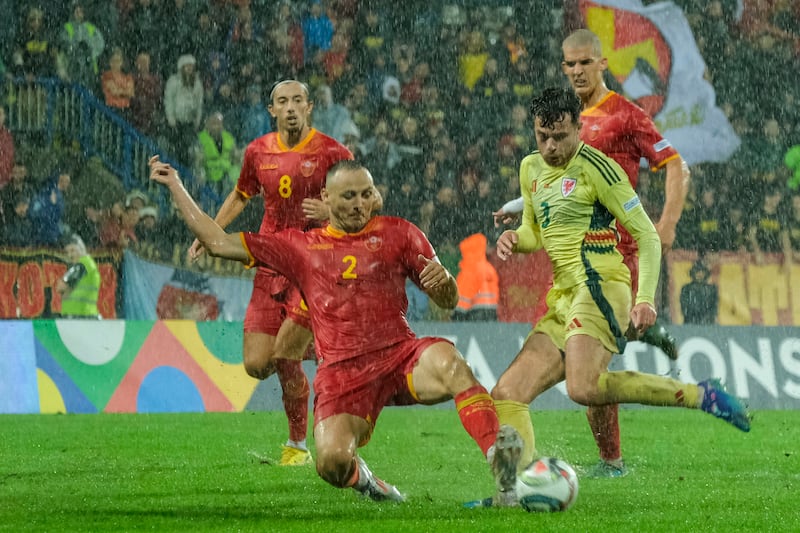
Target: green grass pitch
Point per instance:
(201, 472)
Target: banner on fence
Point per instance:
(158, 291)
(28, 276)
(85, 366)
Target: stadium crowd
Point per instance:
(433, 98)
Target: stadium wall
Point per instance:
(112, 366)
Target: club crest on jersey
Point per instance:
(308, 167)
(374, 243)
(567, 186)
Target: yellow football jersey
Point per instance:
(572, 211)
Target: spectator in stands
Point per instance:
(118, 86)
(178, 17)
(35, 51)
(82, 43)
(79, 287)
(206, 39)
(254, 119)
(703, 226)
(317, 33)
(19, 185)
(183, 105)
(372, 36)
(137, 199)
(335, 62)
(328, 116)
(766, 229)
(285, 40)
(472, 59)
(18, 230)
(146, 102)
(510, 47)
(791, 159)
(48, 208)
(699, 298)
(147, 230)
(144, 25)
(7, 149)
(218, 159)
(410, 146)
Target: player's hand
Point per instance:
(162, 172)
(643, 316)
(195, 250)
(666, 232)
(433, 274)
(315, 209)
(501, 217)
(506, 243)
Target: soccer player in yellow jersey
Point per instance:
(573, 197)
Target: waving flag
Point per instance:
(652, 53)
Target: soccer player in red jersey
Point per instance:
(287, 168)
(624, 132)
(353, 273)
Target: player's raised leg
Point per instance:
(589, 383)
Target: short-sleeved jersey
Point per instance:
(625, 133)
(285, 176)
(353, 283)
(572, 210)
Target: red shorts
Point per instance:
(363, 385)
(274, 300)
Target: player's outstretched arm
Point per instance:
(233, 205)
(676, 187)
(438, 283)
(209, 233)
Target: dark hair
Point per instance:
(553, 104)
(281, 81)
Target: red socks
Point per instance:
(478, 416)
(295, 396)
(604, 421)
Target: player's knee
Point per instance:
(258, 366)
(335, 465)
(580, 393)
(503, 390)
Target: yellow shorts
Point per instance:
(599, 309)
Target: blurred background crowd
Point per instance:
(432, 96)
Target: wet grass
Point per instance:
(205, 472)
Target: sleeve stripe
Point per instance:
(601, 164)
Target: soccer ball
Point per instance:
(547, 484)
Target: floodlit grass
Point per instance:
(199, 472)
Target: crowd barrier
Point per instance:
(116, 366)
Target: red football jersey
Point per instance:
(286, 176)
(624, 132)
(353, 284)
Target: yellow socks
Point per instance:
(518, 416)
(647, 389)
